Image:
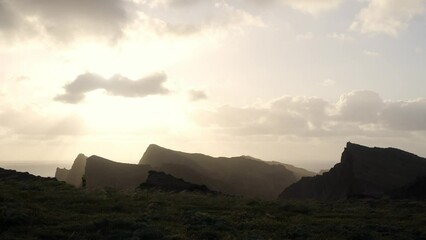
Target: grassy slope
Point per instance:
(46, 209)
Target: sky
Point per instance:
(280, 80)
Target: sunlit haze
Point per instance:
(280, 80)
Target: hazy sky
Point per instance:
(283, 80)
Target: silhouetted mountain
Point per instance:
(414, 190)
(243, 175)
(298, 172)
(166, 182)
(61, 174)
(362, 172)
(101, 172)
(75, 174)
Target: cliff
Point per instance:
(362, 172)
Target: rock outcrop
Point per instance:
(75, 174)
(244, 176)
(61, 174)
(166, 182)
(362, 172)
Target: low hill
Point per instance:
(362, 172)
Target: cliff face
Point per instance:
(236, 176)
(75, 174)
(101, 172)
(166, 182)
(362, 172)
(61, 174)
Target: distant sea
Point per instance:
(34, 167)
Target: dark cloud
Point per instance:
(360, 106)
(359, 113)
(64, 20)
(197, 95)
(117, 86)
(405, 116)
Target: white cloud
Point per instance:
(387, 16)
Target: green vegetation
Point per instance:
(37, 208)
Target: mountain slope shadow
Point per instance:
(166, 182)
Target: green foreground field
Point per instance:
(36, 208)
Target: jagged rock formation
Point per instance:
(362, 172)
(166, 182)
(61, 174)
(101, 172)
(243, 175)
(75, 174)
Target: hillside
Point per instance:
(242, 175)
(101, 172)
(297, 171)
(43, 208)
(362, 172)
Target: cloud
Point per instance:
(328, 82)
(359, 107)
(313, 6)
(116, 85)
(305, 36)
(405, 115)
(342, 37)
(371, 53)
(287, 115)
(64, 20)
(387, 16)
(29, 122)
(358, 113)
(197, 95)
(208, 16)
